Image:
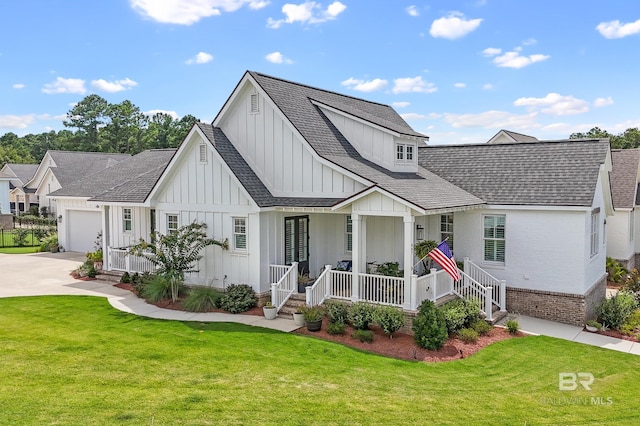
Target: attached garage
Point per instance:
(83, 228)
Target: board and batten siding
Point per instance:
(285, 163)
(140, 226)
(64, 205)
(620, 242)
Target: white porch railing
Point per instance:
(499, 293)
(121, 260)
(286, 284)
(382, 289)
(323, 286)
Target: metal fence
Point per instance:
(21, 237)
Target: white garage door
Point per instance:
(83, 230)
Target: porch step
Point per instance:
(497, 315)
(109, 276)
(295, 301)
(445, 299)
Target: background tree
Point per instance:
(87, 116)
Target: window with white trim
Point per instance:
(349, 234)
(203, 153)
(255, 103)
(404, 152)
(127, 219)
(240, 233)
(172, 223)
(494, 238)
(446, 229)
(595, 237)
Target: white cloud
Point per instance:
(409, 116)
(200, 58)
(113, 86)
(453, 26)
(529, 42)
(487, 86)
(187, 12)
(491, 51)
(365, 86)
(601, 102)
(308, 12)
(16, 121)
(513, 59)
(412, 11)
(18, 86)
(413, 85)
(65, 85)
(493, 120)
(460, 85)
(616, 29)
(278, 58)
(59, 117)
(400, 104)
(555, 104)
(153, 112)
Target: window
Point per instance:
(240, 233)
(400, 152)
(255, 104)
(446, 229)
(595, 225)
(127, 220)
(203, 153)
(172, 222)
(348, 234)
(404, 152)
(494, 240)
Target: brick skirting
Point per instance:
(574, 309)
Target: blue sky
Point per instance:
(457, 71)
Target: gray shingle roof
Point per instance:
(423, 189)
(71, 166)
(554, 173)
(624, 176)
(130, 180)
(24, 172)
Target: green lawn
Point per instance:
(76, 360)
(19, 250)
(7, 237)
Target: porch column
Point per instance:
(409, 226)
(355, 256)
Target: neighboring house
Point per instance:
(623, 242)
(295, 175)
(60, 168)
(507, 136)
(20, 200)
(81, 216)
(5, 180)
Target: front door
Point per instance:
(296, 242)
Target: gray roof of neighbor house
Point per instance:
(130, 180)
(552, 173)
(517, 137)
(71, 166)
(23, 172)
(624, 176)
(423, 189)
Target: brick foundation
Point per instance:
(574, 309)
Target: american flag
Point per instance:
(443, 257)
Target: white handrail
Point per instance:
(498, 293)
(286, 284)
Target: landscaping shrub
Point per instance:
(468, 335)
(157, 287)
(429, 328)
(47, 243)
(481, 327)
(337, 312)
(513, 326)
(365, 336)
(459, 314)
(20, 237)
(238, 298)
(632, 325)
(632, 284)
(202, 299)
(140, 283)
(616, 271)
(389, 319)
(86, 270)
(390, 269)
(361, 315)
(336, 328)
(125, 278)
(616, 310)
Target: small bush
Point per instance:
(365, 336)
(20, 236)
(361, 315)
(141, 282)
(481, 327)
(49, 242)
(312, 313)
(632, 285)
(632, 325)
(202, 299)
(616, 310)
(429, 328)
(513, 326)
(337, 312)
(336, 328)
(238, 298)
(468, 335)
(459, 314)
(157, 288)
(389, 319)
(615, 270)
(86, 270)
(126, 278)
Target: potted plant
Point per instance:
(313, 317)
(303, 282)
(270, 311)
(593, 326)
(298, 316)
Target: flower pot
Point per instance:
(302, 287)
(591, 328)
(314, 325)
(298, 319)
(270, 312)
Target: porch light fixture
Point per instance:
(419, 232)
(59, 218)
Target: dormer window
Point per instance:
(255, 104)
(404, 153)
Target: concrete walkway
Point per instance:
(48, 274)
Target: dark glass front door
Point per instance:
(296, 242)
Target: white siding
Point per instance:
(140, 226)
(65, 208)
(284, 162)
(620, 245)
(4, 197)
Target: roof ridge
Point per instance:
(538, 142)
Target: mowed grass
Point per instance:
(19, 250)
(76, 360)
(7, 238)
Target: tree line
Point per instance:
(628, 139)
(95, 125)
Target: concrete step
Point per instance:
(109, 276)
